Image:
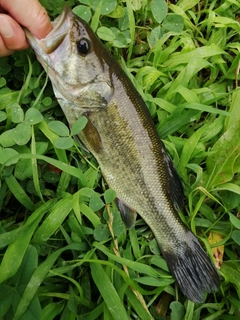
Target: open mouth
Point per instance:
(44, 47)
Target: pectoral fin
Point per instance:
(91, 135)
(128, 214)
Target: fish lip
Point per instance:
(45, 46)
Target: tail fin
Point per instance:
(192, 269)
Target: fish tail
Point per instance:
(192, 268)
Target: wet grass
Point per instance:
(65, 253)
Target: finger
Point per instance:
(12, 36)
(30, 14)
(4, 51)
(2, 10)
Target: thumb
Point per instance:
(30, 14)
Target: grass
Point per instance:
(65, 253)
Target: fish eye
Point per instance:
(83, 46)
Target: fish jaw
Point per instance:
(76, 80)
(56, 43)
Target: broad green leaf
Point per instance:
(83, 12)
(106, 34)
(96, 203)
(8, 98)
(33, 116)
(2, 82)
(59, 128)
(234, 109)
(47, 101)
(22, 133)
(155, 35)
(86, 192)
(234, 220)
(6, 156)
(117, 13)
(118, 225)
(223, 162)
(231, 272)
(63, 142)
(23, 169)
(109, 196)
(78, 125)
(17, 114)
(41, 147)
(108, 6)
(101, 232)
(159, 10)
(178, 310)
(236, 236)
(173, 22)
(61, 153)
(3, 116)
(229, 187)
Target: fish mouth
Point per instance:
(46, 48)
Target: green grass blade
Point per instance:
(108, 292)
(37, 278)
(136, 266)
(19, 192)
(13, 257)
(54, 220)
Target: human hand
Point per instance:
(16, 13)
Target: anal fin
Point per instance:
(128, 214)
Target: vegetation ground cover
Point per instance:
(64, 251)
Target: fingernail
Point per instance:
(6, 29)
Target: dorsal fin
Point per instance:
(174, 184)
(128, 214)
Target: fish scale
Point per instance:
(122, 136)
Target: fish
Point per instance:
(121, 135)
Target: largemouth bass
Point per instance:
(122, 137)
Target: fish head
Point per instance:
(76, 62)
